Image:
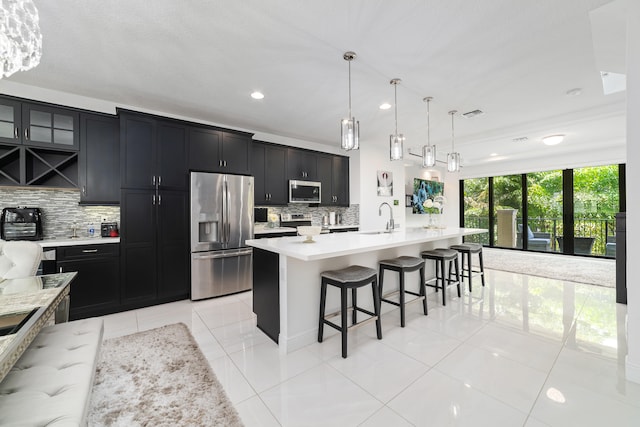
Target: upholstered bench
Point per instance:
(50, 385)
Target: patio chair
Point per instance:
(536, 241)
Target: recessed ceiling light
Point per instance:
(385, 106)
(553, 139)
(257, 95)
(493, 154)
(574, 92)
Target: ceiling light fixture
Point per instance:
(453, 158)
(396, 140)
(20, 38)
(428, 151)
(350, 133)
(257, 95)
(385, 106)
(553, 139)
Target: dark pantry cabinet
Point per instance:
(154, 211)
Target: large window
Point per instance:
(476, 208)
(568, 211)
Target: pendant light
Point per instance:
(396, 140)
(350, 126)
(453, 158)
(428, 151)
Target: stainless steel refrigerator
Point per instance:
(221, 221)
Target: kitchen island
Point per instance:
(286, 274)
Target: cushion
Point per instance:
(19, 259)
(529, 233)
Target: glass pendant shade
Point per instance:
(350, 134)
(453, 158)
(396, 147)
(428, 151)
(428, 156)
(396, 141)
(453, 162)
(20, 38)
(350, 127)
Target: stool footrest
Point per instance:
(373, 318)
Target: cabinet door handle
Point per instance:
(159, 180)
(89, 251)
(159, 199)
(220, 163)
(60, 270)
(17, 132)
(153, 180)
(84, 190)
(225, 163)
(153, 199)
(26, 133)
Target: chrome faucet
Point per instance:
(390, 224)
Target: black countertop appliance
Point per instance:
(21, 223)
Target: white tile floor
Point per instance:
(524, 351)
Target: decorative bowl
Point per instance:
(309, 231)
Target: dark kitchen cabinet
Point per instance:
(268, 168)
(152, 153)
(333, 173)
(96, 289)
(212, 150)
(153, 216)
(99, 163)
(38, 144)
(302, 164)
(155, 249)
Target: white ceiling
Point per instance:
(514, 60)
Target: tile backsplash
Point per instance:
(350, 215)
(60, 210)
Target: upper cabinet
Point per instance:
(38, 144)
(333, 173)
(99, 168)
(153, 153)
(212, 150)
(302, 164)
(38, 125)
(268, 167)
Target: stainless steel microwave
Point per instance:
(304, 191)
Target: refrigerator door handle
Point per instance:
(227, 212)
(223, 254)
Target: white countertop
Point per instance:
(338, 244)
(342, 227)
(52, 243)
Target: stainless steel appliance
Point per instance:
(304, 191)
(221, 221)
(21, 224)
(109, 229)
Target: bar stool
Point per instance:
(352, 277)
(465, 250)
(441, 256)
(404, 264)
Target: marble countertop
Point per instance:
(52, 243)
(339, 244)
(261, 229)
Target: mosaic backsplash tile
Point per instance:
(350, 215)
(60, 210)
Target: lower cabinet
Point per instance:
(96, 289)
(266, 286)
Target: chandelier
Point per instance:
(453, 158)
(428, 151)
(20, 38)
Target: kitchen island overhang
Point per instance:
(286, 297)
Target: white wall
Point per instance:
(633, 198)
(371, 160)
(451, 211)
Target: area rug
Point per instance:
(158, 378)
(593, 271)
